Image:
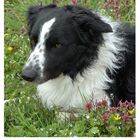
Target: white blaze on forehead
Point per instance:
(46, 29)
(37, 57)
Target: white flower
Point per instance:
(87, 116)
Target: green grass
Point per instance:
(25, 115)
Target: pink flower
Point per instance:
(123, 104)
(89, 106)
(126, 117)
(116, 4)
(101, 104)
(106, 5)
(105, 116)
(74, 2)
(126, 3)
(104, 102)
(113, 109)
(126, 104)
(117, 12)
(131, 105)
(22, 30)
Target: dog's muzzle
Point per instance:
(29, 74)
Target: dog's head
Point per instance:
(63, 41)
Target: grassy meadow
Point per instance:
(24, 114)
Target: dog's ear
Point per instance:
(35, 9)
(90, 21)
(33, 12)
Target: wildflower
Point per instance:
(117, 12)
(74, 2)
(123, 104)
(10, 49)
(127, 105)
(130, 105)
(131, 111)
(22, 30)
(87, 116)
(119, 127)
(113, 109)
(105, 116)
(99, 104)
(89, 106)
(104, 102)
(117, 118)
(126, 117)
(106, 4)
(116, 4)
(127, 3)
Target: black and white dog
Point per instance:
(78, 55)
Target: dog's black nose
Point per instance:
(29, 74)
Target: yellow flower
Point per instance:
(131, 111)
(10, 49)
(117, 117)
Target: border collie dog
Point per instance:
(78, 56)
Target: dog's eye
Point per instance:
(58, 46)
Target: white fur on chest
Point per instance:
(68, 95)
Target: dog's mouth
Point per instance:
(36, 81)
